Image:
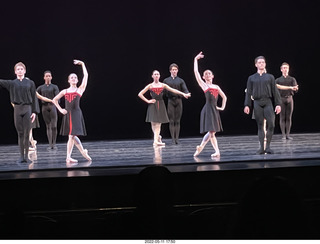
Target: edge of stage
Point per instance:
(200, 189)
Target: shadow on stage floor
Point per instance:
(132, 190)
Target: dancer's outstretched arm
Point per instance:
(43, 98)
(186, 95)
(84, 83)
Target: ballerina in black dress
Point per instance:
(157, 113)
(72, 121)
(210, 121)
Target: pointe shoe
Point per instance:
(160, 144)
(160, 139)
(33, 144)
(86, 155)
(215, 155)
(198, 151)
(71, 160)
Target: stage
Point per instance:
(101, 199)
(130, 156)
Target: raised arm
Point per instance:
(84, 83)
(201, 83)
(56, 99)
(142, 92)
(186, 95)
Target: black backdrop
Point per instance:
(122, 41)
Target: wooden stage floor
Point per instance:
(130, 156)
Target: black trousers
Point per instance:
(263, 109)
(22, 122)
(286, 115)
(174, 114)
(50, 117)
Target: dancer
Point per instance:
(261, 87)
(23, 96)
(156, 113)
(287, 86)
(175, 102)
(49, 111)
(73, 122)
(210, 121)
(33, 143)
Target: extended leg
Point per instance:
(200, 147)
(83, 151)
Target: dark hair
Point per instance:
(259, 57)
(173, 65)
(47, 71)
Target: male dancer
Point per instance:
(49, 111)
(174, 107)
(287, 86)
(23, 96)
(261, 87)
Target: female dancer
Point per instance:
(156, 113)
(72, 121)
(210, 122)
(49, 111)
(23, 96)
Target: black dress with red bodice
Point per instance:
(73, 122)
(157, 111)
(210, 117)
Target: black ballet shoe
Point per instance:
(269, 151)
(260, 151)
(20, 160)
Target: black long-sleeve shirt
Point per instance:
(48, 91)
(286, 81)
(22, 92)
(176, 83)
(261, 86)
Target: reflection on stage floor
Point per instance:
(123, 156)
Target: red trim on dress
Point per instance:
(71, 95)
(157, 90)
(213, 91)
(70, 124)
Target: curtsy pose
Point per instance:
(23, 97)
(46, 92)
(156, 113)
(210, 121)
(72, 121)
(287, 86)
